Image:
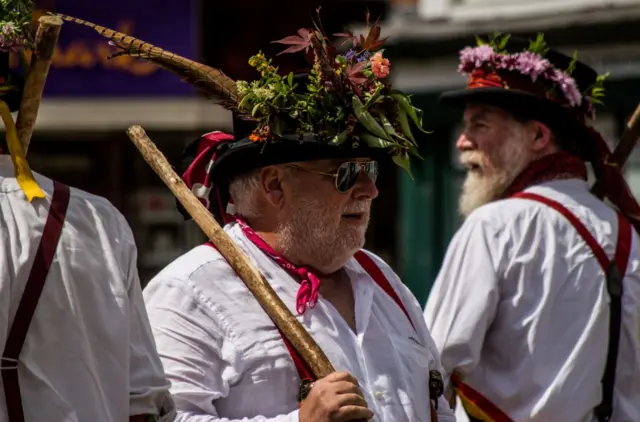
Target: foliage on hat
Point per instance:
(348, 97)
(492, 55)
(15, 24)
(348, 100)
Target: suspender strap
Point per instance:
(30, 297)
(378, 276)
(614, 272)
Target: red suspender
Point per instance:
(614, 273)
(479, 407)
(379, 278)
(29, 301)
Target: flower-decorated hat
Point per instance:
(344, 107)
(534, 82)
(15, 35)
(531, 81)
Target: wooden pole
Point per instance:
(45, 42)
(623, 150)
(250, 275)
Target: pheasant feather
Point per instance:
(215, 84)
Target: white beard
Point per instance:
(489, 183)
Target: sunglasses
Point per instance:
(348, 173)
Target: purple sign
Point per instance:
(81, 66)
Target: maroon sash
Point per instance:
(29, 301)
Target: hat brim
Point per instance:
(244, 155)
(520, 103)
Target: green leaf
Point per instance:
(290, 78)
(367, 120)
(374, 141)
(404, 124)
(276, 126)
(255, 109)
(386, 124)
(339, 138)
(404, 162)
(373, 97)
(414, 150)
(480, 41)
(413, 112)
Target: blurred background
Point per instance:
(90, 100)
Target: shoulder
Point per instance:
(404, 293)
(200, 278)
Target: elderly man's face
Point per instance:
(321, 222)
(493, 147)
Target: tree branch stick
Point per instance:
(250, 275)
(45, 42)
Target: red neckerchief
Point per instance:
(556, 166)
(309, 282)
(562, 165)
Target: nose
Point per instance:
(365, 188)
(463, 143)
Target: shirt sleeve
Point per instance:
(198, 359)
(148, 385)
(464, 298)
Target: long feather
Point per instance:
(215, 84)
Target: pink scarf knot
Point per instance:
(309, 283)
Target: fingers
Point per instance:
(344, 387)
(351, 413)
(341, 376)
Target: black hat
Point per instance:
(530, 81)
(11, 83)
(244, 153)
(345, 107)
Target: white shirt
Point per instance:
(89, 354)
(520, 308)
(227, 362)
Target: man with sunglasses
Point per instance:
(299, 207)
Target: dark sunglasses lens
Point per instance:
(347, 176)
(372, 170)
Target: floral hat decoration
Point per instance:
(344, 107)
(529, 77)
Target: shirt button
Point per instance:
(378, 395)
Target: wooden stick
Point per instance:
(623, 150)
(45, 42)
(250, 275)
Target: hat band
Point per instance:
(483, 78)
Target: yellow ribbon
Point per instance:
(23, 173)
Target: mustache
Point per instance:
(358, 207)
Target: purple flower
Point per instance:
(364, 56)
(350, 55)
(473, 58)
(531, 64)
(589, 108)
(568, 87)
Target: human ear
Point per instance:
(271, 185)
(542, 136)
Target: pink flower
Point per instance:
(380, 66)
(473, 58)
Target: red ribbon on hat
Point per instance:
(197, 178)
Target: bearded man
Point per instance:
(535, 308)
(297, 203)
